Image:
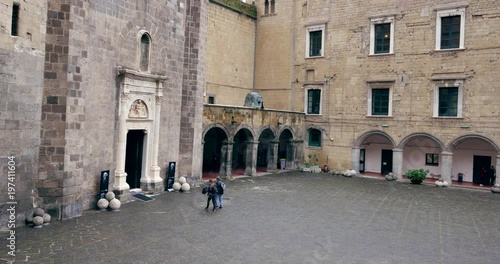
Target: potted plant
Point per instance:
(416, 176)
(312, 165)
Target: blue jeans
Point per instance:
(218, 200)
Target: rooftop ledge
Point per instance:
(250, 108)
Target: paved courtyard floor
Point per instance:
(285, 218)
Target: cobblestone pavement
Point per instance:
(285, 218)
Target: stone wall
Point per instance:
(347, 70)
(21, 82)
(230, 60)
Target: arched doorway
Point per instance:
(243, 153)
(422, 151)
(266, 151)
(373, 153)
(285, 149)
(473, 156)
(212, 152)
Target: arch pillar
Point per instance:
(226, 159)
(446, 164)
(397, 163)
(272, 155)
(355, 156)
(120, 185)
(251, 158)
(295, 154)
(497, 168)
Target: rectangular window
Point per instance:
(382, 35)
(450, 32)
(315, 37)
(380, 101)
(432, 159)
(450, 28)
(382, 38)
(448, 101)
(314, 138)
(211, 99)
(15, 20)
(313, 101)
(315, 43)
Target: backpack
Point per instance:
(204, 190)
(223, 185)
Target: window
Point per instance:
(15, 20)
(380, 98)
(450, 26)
(313, 101)
(448, 96)
(432, 159)
(448, 101)
(144, 52)
(211, 99)
(272, 6)
(266, 7)
(380, 101)
(314, 41)
(314, 137)
(381, 35)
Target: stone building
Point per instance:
(96, 85)
(387, 85)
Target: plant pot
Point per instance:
(416, 181)
(306, 169)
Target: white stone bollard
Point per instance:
(115, 204)
(182, 180)
(185, 187)
(110, 196)
(176, 186)
(102, 204)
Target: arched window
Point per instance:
(266, 7)
(144, 52)
(314, 137)
(272, 6)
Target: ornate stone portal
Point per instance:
(139, 109)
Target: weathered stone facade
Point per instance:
(103, 69)
(21, 84)
(414, 70)
(230, 60)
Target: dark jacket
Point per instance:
(220, 190)
(212, 191)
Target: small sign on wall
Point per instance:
(170, 175)
(104, 184)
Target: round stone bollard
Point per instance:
(185, 187)
(445, 184)
(102, 204)
(38, 221)
(110, 196)
(46, 219)
(29, 219)
(495, 188)
(439, 183)
(176, 186)
(182, 180)
(38, 212)
(115, 204)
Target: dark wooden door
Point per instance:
(386, 163)
(480, 170)
(362, 160)
(133, 157)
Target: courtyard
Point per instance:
(283, 218)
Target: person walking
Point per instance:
(211, 193)
(221, 186)
(493, 175)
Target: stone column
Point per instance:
(397, 163)
(120, 186)
(446, 165)
(355, 156)
(227, 148)
(155, 182)
(272, 156)
(251, 158)
(295, 154)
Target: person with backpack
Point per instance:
(221, 186)
(211, 192)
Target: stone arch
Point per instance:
(455, 142)
(361, 138)
(245, 127)
(214, 125)
(280, 131)
(405, 140)
(262, 129)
